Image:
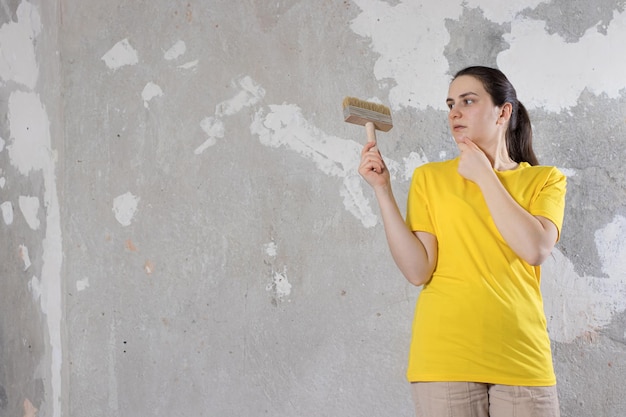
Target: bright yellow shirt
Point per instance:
(480, 318)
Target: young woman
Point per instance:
(476, 230)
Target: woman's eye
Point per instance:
(469, 101)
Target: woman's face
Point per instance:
(472, 112)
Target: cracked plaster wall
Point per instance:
(183, 229)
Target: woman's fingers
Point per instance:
(372, 161)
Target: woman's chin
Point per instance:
(457, 138)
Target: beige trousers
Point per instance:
(471, 399)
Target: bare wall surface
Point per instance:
(183, 228)
(33, 379)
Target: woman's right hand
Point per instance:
(372, 167)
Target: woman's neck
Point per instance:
(499, 157)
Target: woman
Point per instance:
(476, 230)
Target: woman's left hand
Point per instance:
(473, 163)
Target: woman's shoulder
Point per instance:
(437, 166)
(547, 170)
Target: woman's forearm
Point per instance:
(531, 238)
(415, 259)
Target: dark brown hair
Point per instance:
(519, 135)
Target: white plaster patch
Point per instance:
(31, 150)
(150, 91)
(250, 94)
(568, 172)
(82, 284)
(23, 252)
(280, 285)
(2, 143)
(34, 285)
(3, 182)
(17, 57)
(413, 161)
(499, 11)
(7, 212)
(30, 131)
(120, 55)
(285, 126)
(410, 38)
(576, 305)
(30, 210)
(271, 249)
(566, 68)
(188, 65)
(611, 244)
(214, 128)
(178, 49)
(125, 207)
(415, 69)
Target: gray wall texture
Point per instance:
(183, 228)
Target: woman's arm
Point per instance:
(415, 254)
(532, 238)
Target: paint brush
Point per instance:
(373, 116)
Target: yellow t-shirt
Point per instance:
(480, 318)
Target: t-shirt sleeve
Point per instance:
(418, 217)
(550, 200)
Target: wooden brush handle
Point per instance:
(371, 132)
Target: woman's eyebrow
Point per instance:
(469, 93)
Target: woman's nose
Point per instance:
(454, 113)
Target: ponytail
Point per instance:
(519, 136)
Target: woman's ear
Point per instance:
(505, 113)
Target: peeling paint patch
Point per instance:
(419, 59)
(178, 49)
(30, 209)
(82, 285)
(416, 70)
(249, 95)
(271, 249)
(20, 65)
(23, 252)
(7, 212)
(34, 286)
(3, 182)
(280, 286)
(413, 161)
(2, 143)
(214, 128)
(188, 65)
(30, 149)
(567, 68)
(150, 91)
(30, 131)
(125, 207)
(120, 55)
(576, 305)
(500, 12)
(568, 172)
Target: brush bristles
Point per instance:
(362, 112)
(367, 105)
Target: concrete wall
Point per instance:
(183, 229)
